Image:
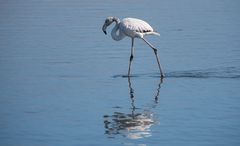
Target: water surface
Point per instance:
(61, 78)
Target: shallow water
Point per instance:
(62, 79)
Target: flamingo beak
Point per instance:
(105, 32)
(104, 29)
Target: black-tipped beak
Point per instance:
(104, 27)
(105, 32)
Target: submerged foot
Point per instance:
(126, 76)
(162, 75)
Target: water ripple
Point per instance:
(223, 72)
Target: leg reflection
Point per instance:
(158, 90)
(133, 125)
(131, 92)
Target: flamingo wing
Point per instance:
(136, 25)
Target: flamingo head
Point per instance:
(107, 22)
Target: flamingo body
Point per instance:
(133, 27)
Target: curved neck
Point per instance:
(117, 36)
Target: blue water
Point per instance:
(61, 78)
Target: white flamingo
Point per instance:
(134, 28)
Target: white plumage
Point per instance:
(134, 28)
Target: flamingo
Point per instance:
(133, 28)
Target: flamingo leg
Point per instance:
(158, 60)
(131, 57)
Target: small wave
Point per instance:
(223, 72)
(126, 76)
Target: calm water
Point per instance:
(61, 78)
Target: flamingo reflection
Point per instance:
(133, 125)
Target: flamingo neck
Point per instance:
(116, 33)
